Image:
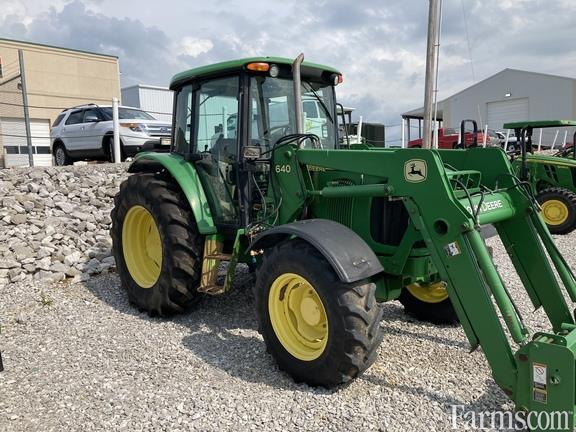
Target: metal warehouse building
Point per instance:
(158, 101)
(509, 95)
(55, 78)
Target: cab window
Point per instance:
(310, 109)
(275, 115)
(217, 111)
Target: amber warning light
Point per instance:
(258, 67)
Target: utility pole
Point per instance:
(116, 125)
(430, 72)
(25, 105)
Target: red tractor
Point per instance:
(448, 138)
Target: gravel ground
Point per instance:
(79, 357)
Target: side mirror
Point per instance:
(251, 152)
(91, 119)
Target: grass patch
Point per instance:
(45, 300)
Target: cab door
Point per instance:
(216, 105)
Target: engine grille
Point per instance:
(340, 209)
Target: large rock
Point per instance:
(54, 222)
(7, 263)
(19, 219)
(65, 206)
(23, 252)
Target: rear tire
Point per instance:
(558, 209)
(61, 157)
(161, 282)
(437, 310)
(331, 345)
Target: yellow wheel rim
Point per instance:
(555, 212)
(429, 293)
(142, 246)
(298, 316)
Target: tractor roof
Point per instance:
(539, 124)
(230, 66)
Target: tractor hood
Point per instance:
(551, 160)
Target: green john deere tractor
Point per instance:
(333, 231)
(551, 178)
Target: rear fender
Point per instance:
(185, 174)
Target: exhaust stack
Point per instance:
(298, 92)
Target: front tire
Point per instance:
(156, 244)
(320, 330)
(428, 302)
(558, 209)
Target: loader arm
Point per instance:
(448, 196)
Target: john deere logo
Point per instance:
(415, 170)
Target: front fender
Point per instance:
(348, 254)
(185, 174)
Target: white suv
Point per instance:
(86, 132)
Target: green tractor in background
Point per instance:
(332, 231)
(551, 178)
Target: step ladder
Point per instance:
(213, 256)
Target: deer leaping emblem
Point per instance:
(415, 170)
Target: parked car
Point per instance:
(512, 140)
(494, 139)
(86, 132)
(501, 136)
(448, 139)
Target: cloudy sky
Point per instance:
(378, 45)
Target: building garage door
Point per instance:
(506, 111)
(15, 146)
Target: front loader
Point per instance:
(331, 232)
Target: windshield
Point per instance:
(273, 111)
(127, 114)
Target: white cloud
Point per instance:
(193, 47)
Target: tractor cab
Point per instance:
(229, 116)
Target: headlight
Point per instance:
(134, 127)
